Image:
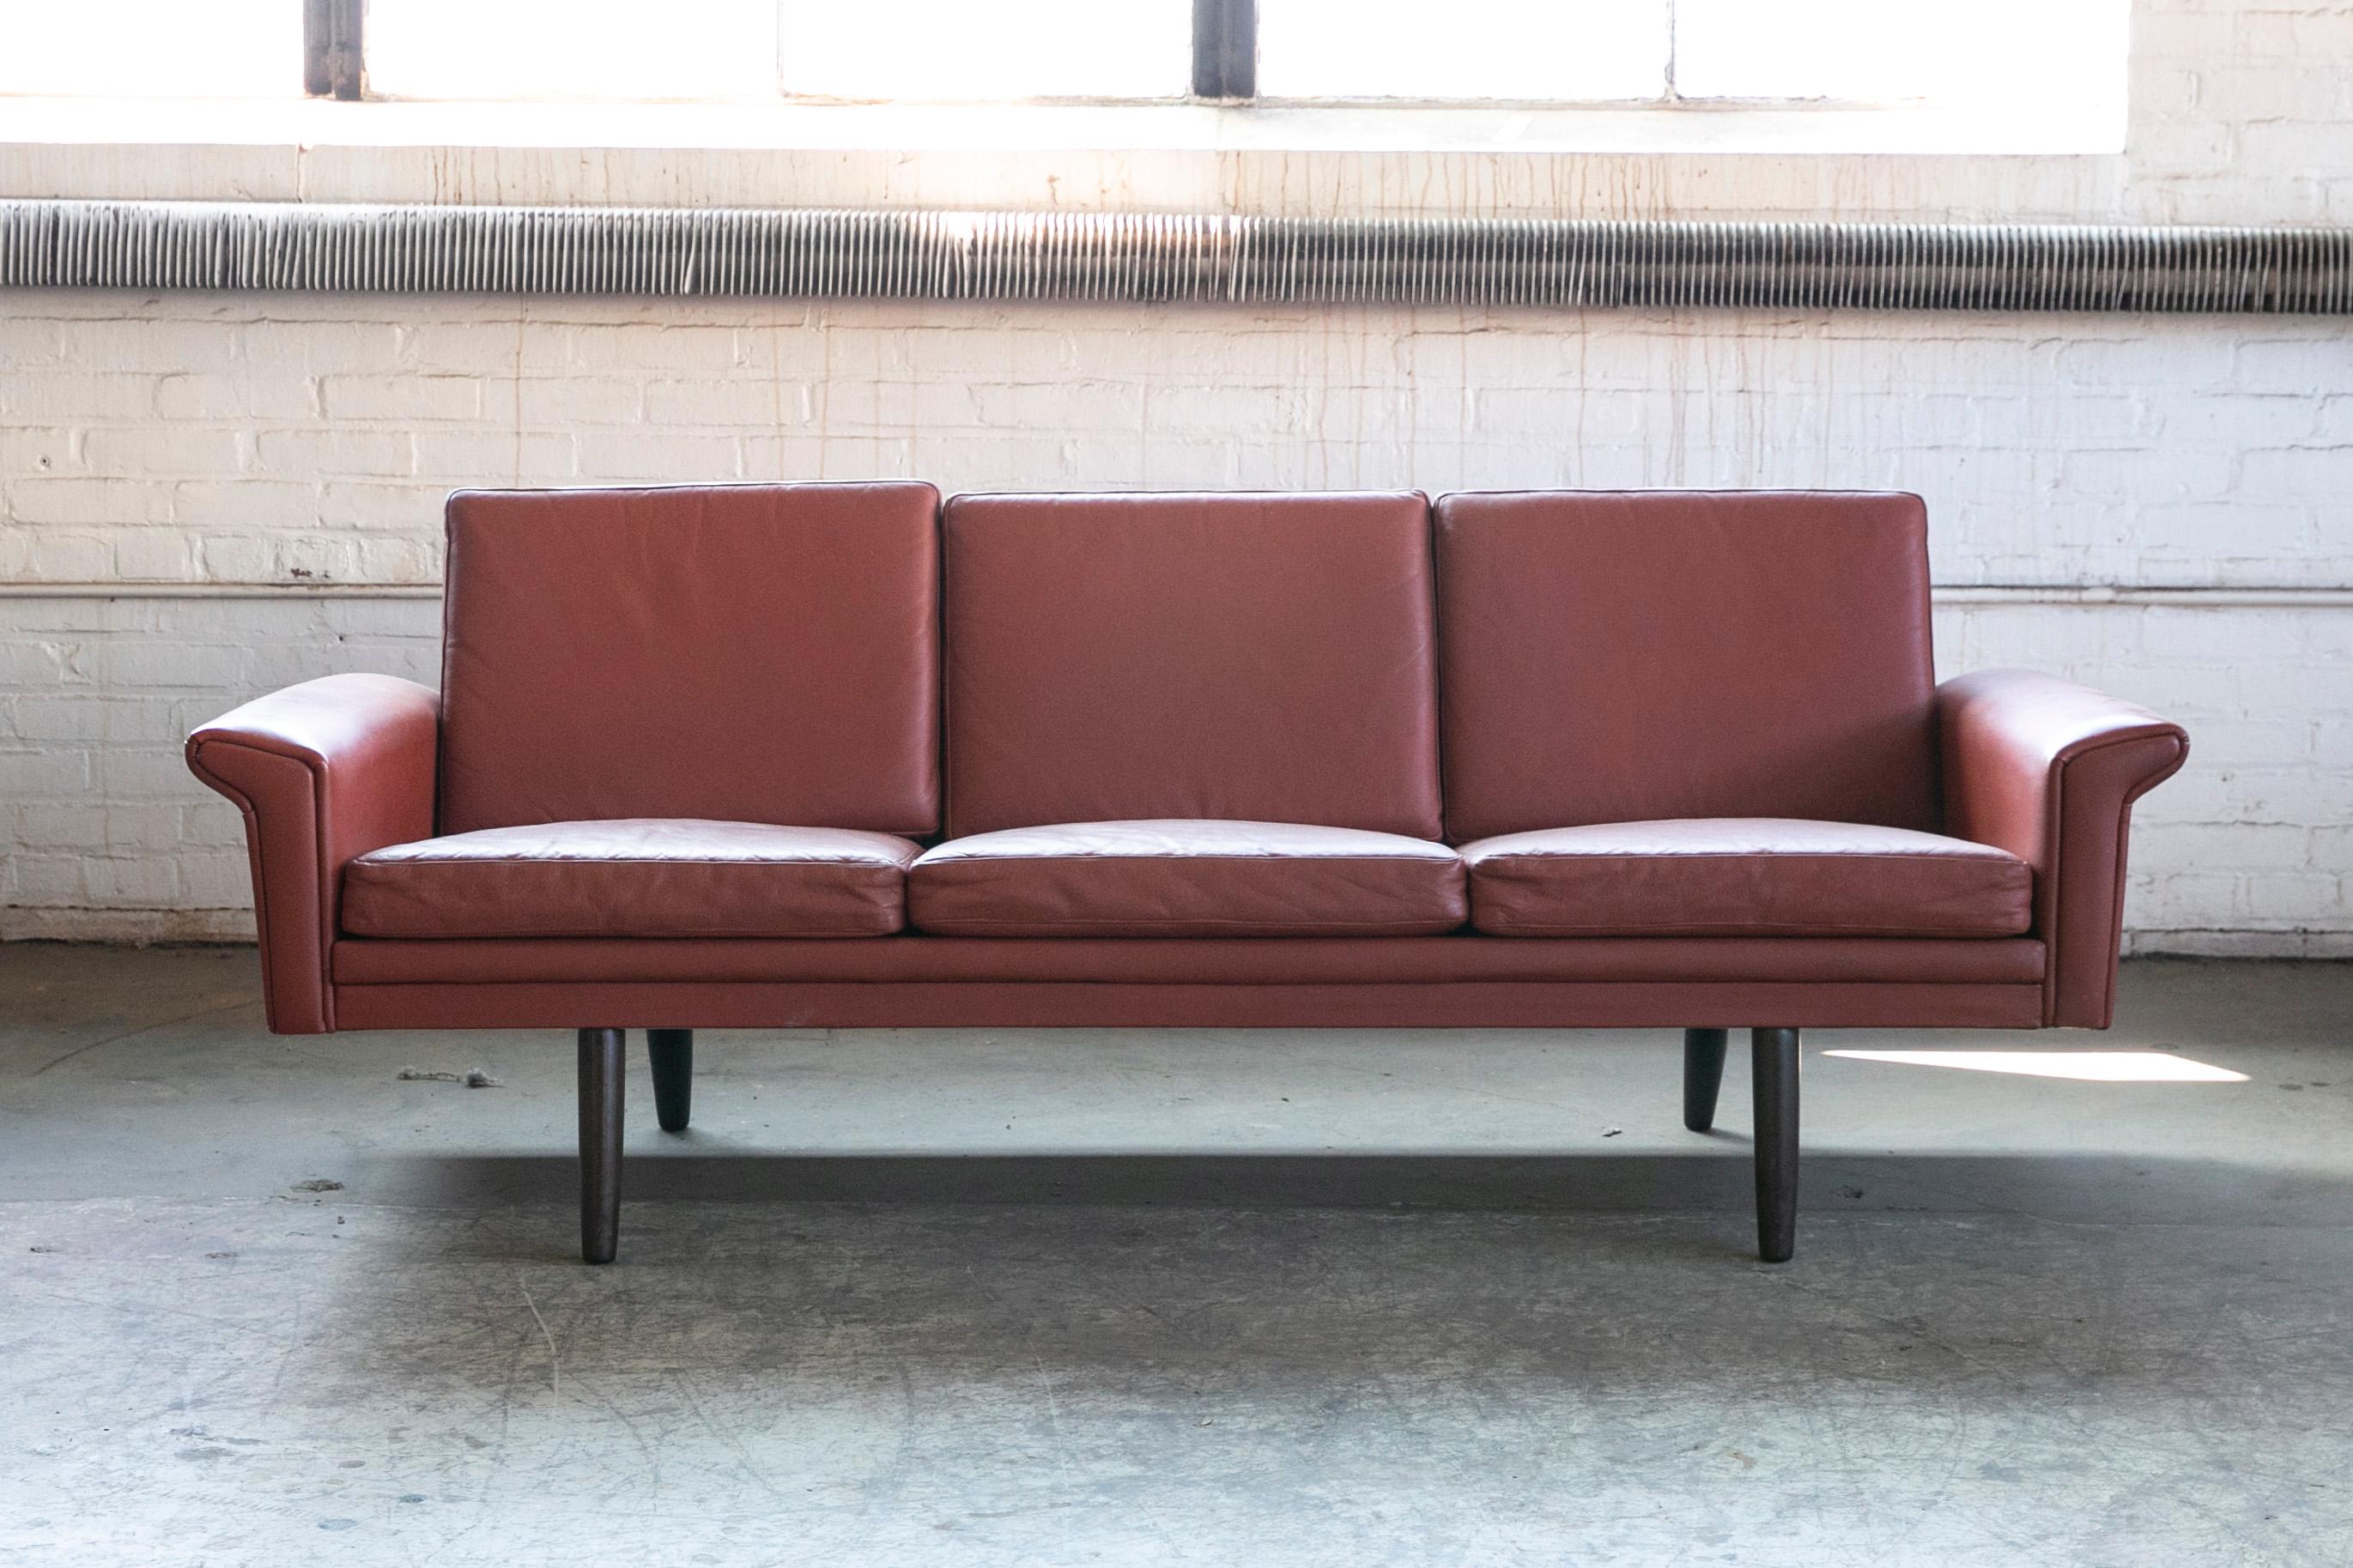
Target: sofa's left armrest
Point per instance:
(323, 772)
(2049, 770)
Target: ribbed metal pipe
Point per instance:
(1180, 257)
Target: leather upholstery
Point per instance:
(1254, 657)
(748, 653)
(1642, 654)
(1745, 876)
(1439, 961)
(322, 772)
(636, 876)
(1170, 878)
(2049, 770)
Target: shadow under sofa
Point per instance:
(834, 755)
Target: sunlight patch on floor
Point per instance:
(2090, 1067)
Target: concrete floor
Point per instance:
(1212, 1297)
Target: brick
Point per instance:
(636, 348)
(145, 773)
(61, 825)
(146, 883)
(334, 453)
(64, 393)
(662, 457)
(454, 455)
(233, 558)
(2307, 899)
(153, 555)
(398, 561)
(77, 556)
(34, 450)
(57, 880)
(2275, 98)
(263, 394)
(401, 397)
(2309, 474)
(759, 403)
(214, 880)
(2303, 365)
(541, 403)
(202, 506)
(150, 663)
(2332, 850)
(166, 450)
(132, 337)
(323, 346)
(395, 504)
(2222, 531)
(2144, 474)
(40, 498)
(52, 773)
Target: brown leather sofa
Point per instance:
(826, 755)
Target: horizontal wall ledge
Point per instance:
(2191, 599)
(1175, 257)
(220, 590)
(2012, 594)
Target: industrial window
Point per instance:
(1280, 53)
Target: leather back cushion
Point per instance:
(753, 653)
(1614, 657)
(1259, 657)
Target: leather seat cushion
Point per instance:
(1186, 878)
(641, 877)
(1745, 876)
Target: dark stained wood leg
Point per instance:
(1703, 1075)
(1773, 1052)
(603, 1077)
(673, 1053)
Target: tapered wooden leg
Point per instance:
(1702, 1076)
(672, 1051)
(603, 1061)
(1773, 1056)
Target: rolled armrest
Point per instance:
(2049, 770)
(323, 772)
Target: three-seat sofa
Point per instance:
(830, 755)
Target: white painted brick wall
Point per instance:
(309, 439)
(108, 834)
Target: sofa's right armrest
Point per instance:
(2048, 770)
(323, 772)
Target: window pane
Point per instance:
(572, 49)
(1542, 49)
(1872, 49)
(949, 50)
(158, 49)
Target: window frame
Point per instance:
(334, 58)
(1224, 73)
(1224, 65)
(1225, 50)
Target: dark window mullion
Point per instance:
(1225, 48)
(332, 63)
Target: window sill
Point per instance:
(2080, 128)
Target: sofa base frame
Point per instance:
(1115, 1004)
(603, 1060)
